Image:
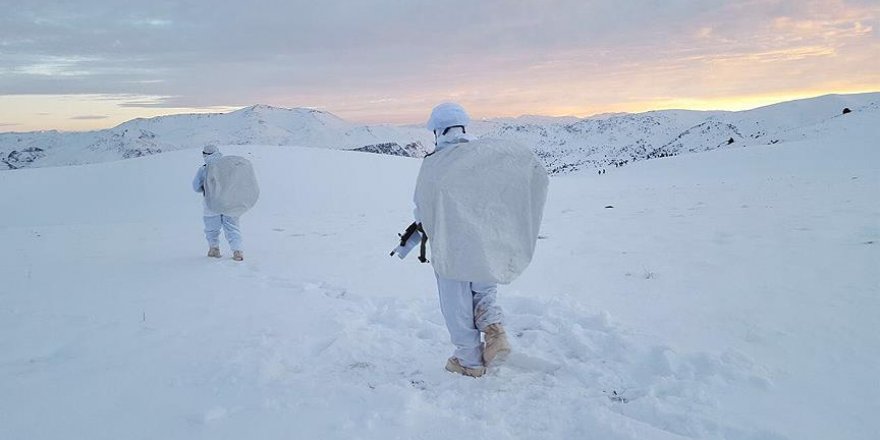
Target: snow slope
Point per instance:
(732, 294)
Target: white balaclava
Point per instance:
(448, 121)
(211, 152)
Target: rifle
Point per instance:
(407, 243)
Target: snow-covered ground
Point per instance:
(731, 294)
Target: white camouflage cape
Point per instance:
(481, 204)
(231, 186)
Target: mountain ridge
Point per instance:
(565, 144)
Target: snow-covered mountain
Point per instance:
(619, 139)
(564, 144)
(255, 125)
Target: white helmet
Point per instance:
(448, 114)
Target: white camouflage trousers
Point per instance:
(214, 223)
(468, 308)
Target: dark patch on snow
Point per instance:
(20, 158)
(614, 396)
(140, 152)
(389, 148)
(413, 149)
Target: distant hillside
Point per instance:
(619, 139)
(255, 125)
(563, 144)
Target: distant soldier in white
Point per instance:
(229, 187)
(479, 203)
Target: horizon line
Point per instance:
(220, 110)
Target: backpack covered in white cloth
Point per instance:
(480, 204)
(231, 186)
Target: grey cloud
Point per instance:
(88, 117)
(341, 53)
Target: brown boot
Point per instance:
(497, 348)
(237, 256)
(214, 252)
(453, 366)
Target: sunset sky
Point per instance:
(93, 64)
